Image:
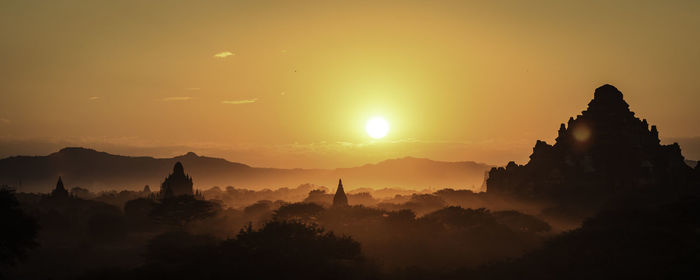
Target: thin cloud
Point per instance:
(92, 98)
(224, 54)
(238, 102)
(193, 88)
(177, 98)
(4, 120)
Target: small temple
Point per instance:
(60, 190)
(340, 199)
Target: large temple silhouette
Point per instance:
(340, 199)
(605, 150)
(177, 183)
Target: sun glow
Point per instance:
(582, 133)
(377, 127)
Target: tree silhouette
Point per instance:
(107, 226)
(279, 250)
(181, 210)
(658, 241)
(287, 241)
(138, 210)
(519, 221)
(302, 212)
(18, 229)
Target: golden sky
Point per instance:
(292, 83)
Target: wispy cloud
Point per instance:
(192, 88)
(93, 98)
(238, 102)
(177, 98)
(4, 120)
(224, 54)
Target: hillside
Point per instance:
(97, 171)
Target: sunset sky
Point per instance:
(293, 83)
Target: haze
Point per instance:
(292, 83)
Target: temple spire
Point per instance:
(60, 190)
(340, 199)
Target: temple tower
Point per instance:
(178, 183)
(60, 190)
(340, 199)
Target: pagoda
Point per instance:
(340, 199)
(178, 183)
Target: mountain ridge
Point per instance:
(98, 170)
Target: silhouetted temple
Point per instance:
(60, 190)
(178, 183)
(340, 199)
(606, 149)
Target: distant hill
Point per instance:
(97, 171)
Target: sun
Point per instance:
(377, 127)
